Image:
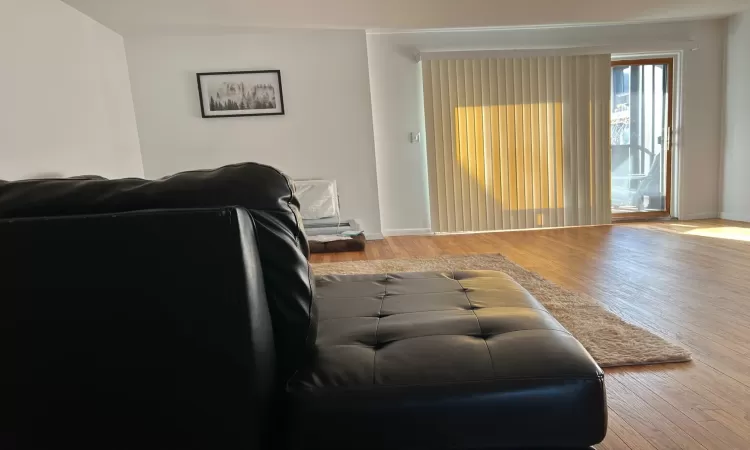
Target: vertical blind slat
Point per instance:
(477, 111)
(543, 143)
(568, 154)
(528, 147)
(446, 152)
(493, 203)
(456, 216)
(502, 121)
(517, 130)
(510, 130)
(466, 163)
(489, 188)
(535, 176)
(435, 169)
(552, 141)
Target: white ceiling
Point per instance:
(131, 16)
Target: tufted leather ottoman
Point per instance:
(464, 360)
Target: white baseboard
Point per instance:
(734, 216)
(374, 236)
(409, 232)
(697, 216)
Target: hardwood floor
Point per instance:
(688, 282)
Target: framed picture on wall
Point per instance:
(233, 94)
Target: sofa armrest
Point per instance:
(135, 330)
(264, 191)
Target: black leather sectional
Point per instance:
(182, 313)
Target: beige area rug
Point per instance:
(610, 340)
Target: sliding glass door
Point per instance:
(641, 125)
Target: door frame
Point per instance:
(668, 61)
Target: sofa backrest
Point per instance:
(262, 190)
(135, 330)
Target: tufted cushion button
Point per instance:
(380, 346)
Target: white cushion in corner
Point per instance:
(318, 198)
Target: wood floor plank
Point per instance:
(691, 289)
(627, 434)
(613, 442)
(397, 248)
(661, 432)
(682, 407)
(717, 388)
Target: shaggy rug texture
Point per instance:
(610, 340)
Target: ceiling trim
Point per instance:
(562, 26)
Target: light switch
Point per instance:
(415, 137)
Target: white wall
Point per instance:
(736, 181)
(397, 109)
(66, 107)
(327, 129)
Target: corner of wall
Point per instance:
(723, 112)
(369, 43)
(132, 107)
(699, 216)
(735, 216)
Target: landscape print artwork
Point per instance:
(232, 94)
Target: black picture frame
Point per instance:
(233, 85)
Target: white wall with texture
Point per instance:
(325, 133)
(66, 104)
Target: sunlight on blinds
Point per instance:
(517, 143)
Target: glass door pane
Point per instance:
(640, 128)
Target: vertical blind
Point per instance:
(518, 142)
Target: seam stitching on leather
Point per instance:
(479, 324)
(377, 325)
(428, 310)
(458, 335)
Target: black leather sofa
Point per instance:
(182, 314)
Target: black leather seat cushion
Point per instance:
(463, 360)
